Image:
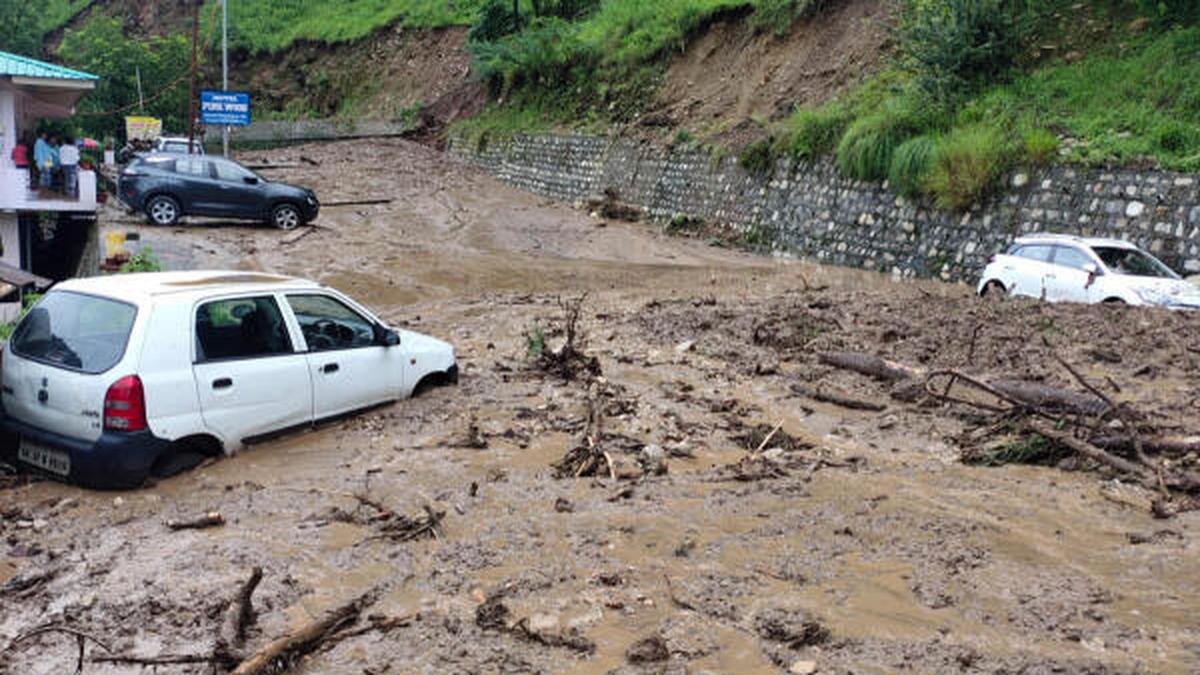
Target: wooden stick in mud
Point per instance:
(304, 640)
(767, 439)
(231, 634)
(826, 396)
(210, 519)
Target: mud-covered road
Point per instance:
(786, 534)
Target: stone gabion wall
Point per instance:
(807, 209)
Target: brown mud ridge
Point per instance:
(694, 475)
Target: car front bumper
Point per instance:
(114, 461)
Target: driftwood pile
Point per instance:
(1086, 423)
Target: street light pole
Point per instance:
(225, 66)
(192, 82)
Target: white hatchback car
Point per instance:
(109, 380)
(1078, 269)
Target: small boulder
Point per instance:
(648, 650)
(791, 626)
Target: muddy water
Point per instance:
(910, 560)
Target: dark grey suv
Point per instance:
(166, 186)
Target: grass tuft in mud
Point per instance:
(1029, 449)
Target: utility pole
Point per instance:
(192, 83)
(141, 103)
(225, 66)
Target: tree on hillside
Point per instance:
(19, 31)
(100, 47)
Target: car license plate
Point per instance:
(54, 461)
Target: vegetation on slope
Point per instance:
(24, 23)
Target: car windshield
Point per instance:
(1133, 262)
(75, 331)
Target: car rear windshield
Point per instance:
(75, 331)
(1133, 262)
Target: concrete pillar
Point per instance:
(10, 239)
(8, 125)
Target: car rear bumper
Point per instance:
(113, 461)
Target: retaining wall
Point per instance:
(807, 209)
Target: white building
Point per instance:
(31, 90)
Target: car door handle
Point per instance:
(329, 368)
(223, 383)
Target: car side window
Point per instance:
(1038, 252)
(328, 323)
(1069, 256)
(240, 328)
(192, 166)
(231, 172)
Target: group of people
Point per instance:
(55, 163)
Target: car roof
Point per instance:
(143, 286)
(1050, 238)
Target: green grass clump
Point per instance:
(811, 133)
(967, 165)
(865, 151)
(910, 165)
(1040, 146)
(758, 158)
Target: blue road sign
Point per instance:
(225, 108)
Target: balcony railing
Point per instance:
(16, 194)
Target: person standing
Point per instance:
(55, 166)
(20, 155)
(43, 160)
(68, 157)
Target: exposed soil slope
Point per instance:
(730, 75)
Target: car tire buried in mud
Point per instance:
(286, 217)
(163, 210)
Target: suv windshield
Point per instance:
(75, 331)
(1133, 262)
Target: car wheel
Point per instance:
(286, 217)
(163, 210)
(994, 290)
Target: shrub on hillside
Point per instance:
(952, 44)
(967, 165)
(757, 158)
(910, 165)
(815, 132)
(496, 19)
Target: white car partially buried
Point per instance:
(1064, 268)
(109, 380)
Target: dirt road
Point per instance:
(786, 533)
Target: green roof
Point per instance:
(20, 66)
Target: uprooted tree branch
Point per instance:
(1088, 424)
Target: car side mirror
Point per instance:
(1091, 269)
(250, 180)
(386, 337)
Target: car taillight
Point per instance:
(125, 405)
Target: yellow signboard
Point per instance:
(143, 128)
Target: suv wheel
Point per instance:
(163, 210)
(286, 217)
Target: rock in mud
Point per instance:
(492, 614)
(792, 626)
(648, 650)
(803, 667)
(653, 460)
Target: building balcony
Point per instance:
(16, 194)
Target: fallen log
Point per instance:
(870, 365)
(358, 202)
(210, 519)
(278, 656)
(838, 399)
(1051, 399)
(1090, 451)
